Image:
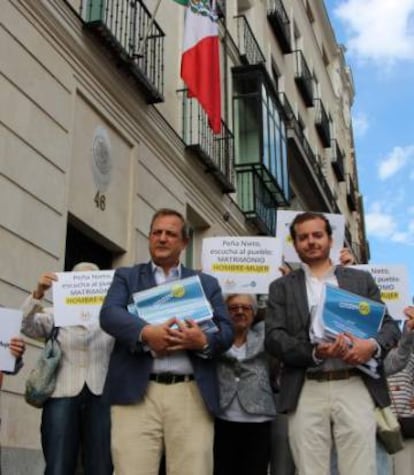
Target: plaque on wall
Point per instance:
(101, 159)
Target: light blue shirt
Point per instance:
(178, 362)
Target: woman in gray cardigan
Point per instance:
(242, 429)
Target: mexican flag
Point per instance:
(200, 62)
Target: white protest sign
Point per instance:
(285, 217)
(78, 297)
(10, 323)
(242, 264)
(392, 281)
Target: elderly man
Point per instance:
(162, 381)
(321, 389)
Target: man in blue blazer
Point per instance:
(162, 381)
(325, 396)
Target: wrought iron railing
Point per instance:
(248, 46)
(315, 164)
(280, 23)
(216, 151)
(303, 78)
(322, 123)
(127, 28)
(338, 161)
(256, 200)
(351, 193)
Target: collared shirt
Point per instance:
(178, 362)
(314, 287)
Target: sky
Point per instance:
(379, 40)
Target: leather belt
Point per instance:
(336, 375)
(171, 378)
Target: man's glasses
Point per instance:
(244, 308)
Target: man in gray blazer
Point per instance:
(162, 382)
(325, 395)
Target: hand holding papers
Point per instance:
(181, 303)
(78, 296)
(9, 327)
(182, 299)
(341, 311)
(353, 317)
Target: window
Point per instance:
(260, 133)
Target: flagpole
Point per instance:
(147, 31)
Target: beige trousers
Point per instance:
(171, 418)
(403, 461)
(342, 410)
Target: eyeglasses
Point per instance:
(244, 308)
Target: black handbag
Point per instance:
(407, 426)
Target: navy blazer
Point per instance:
(130, 365)
(287, 332)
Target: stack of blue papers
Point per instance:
(183, 299)
(344, 311)
(341, 311)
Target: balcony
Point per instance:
(303, 78)
(351, 197)
(280, 24)
(310, 162)
(215, 151)
(250, 52)
(259, 129)
(135, 40)
(256, 199)
(322, 123)
(337, 161)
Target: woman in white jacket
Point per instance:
(76, 417)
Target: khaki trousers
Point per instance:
(342, 410)
(403, 461)
(171, 418)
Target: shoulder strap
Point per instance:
(54, 332)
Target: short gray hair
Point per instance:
(84, 266)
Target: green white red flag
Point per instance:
(200, 62)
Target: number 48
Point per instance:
(100, 201)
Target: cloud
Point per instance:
(360, 124)
(385, 226)
(379, 30)
(401, 237)
(398, 158)
(380, 224)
